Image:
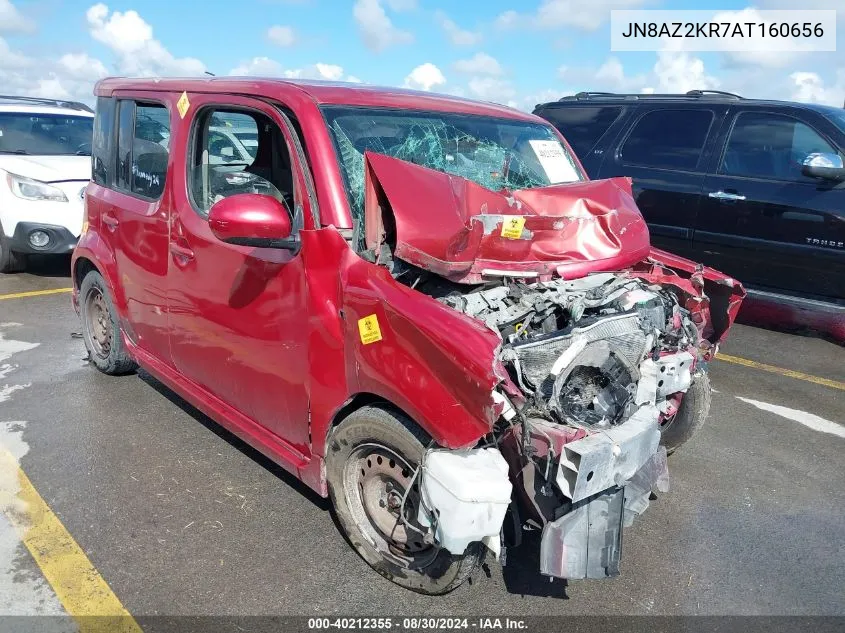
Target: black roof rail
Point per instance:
(631, 96)
(59, 103)
(719, 93)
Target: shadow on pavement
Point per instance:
(48, 265)
(236, 442)
(522, 575)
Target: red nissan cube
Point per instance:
(417, 304)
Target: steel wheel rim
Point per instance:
(99, 328)
(375, 479)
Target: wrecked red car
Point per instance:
(418, 305)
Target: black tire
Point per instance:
(10, 261)
(695, 406)
(101, 329)
(432, 570)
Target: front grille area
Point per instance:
(621, 332)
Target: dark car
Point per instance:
(754, 188)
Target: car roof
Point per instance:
(693, 96)
(321, 92)
(41, 105)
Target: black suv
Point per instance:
(753, 188)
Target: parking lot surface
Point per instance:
(181, 518)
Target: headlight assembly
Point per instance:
(30, 189)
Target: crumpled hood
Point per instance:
(48, 168)
(464, 232)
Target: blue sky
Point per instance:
(511, 51)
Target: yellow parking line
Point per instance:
(84, 594)
(35, 293)
(789, 373)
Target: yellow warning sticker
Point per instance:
(512, 227)
(369, 329)
(183, 104)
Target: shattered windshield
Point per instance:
(494, 153)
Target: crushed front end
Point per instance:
(598, 366)
(602, 363)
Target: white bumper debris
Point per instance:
(465, 496)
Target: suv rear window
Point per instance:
(583, 127)
(142, 148)
(671, 139)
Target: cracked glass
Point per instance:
(499, 154)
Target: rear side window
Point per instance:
(102, 165)
(773, 146)
(143, 139)
(583, 127)
(670, 139)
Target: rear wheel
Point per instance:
(10, 261)
(101, 329)
(695, 405)
(370, 467)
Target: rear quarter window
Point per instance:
(583, 127)
(102, 163)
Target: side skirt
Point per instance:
(310, 471)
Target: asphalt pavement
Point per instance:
(181, 518)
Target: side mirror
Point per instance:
(251, 219)
(824, 166)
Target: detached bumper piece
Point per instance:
(587, 541)
(48, 239)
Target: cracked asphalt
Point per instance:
(181, 518)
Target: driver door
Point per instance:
(236, 313)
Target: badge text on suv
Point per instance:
(754, 188)
(417, 304)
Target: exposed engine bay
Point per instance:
(590, 378)
(589, 352)
(601, 363)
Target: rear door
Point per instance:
(133, 216)
(764, 222)
(665, 151)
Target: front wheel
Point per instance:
(370, 467)
(691, 415)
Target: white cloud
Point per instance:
(810, 87)
(402, 5)
(674, 71)
(266, 67)
(82, 66)
(456, 35)
(425, 77)
(281, 35)
(131, 40)
(258, 67)
(492, 89)
(12, 60)
(376, 28)
(479, 64)
(12, 20)
(555, 14)
(681, 72)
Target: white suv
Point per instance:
(45, 165)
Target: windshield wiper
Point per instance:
(22, 152)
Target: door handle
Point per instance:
(183, 252)
(724, 195)
(110, 221)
